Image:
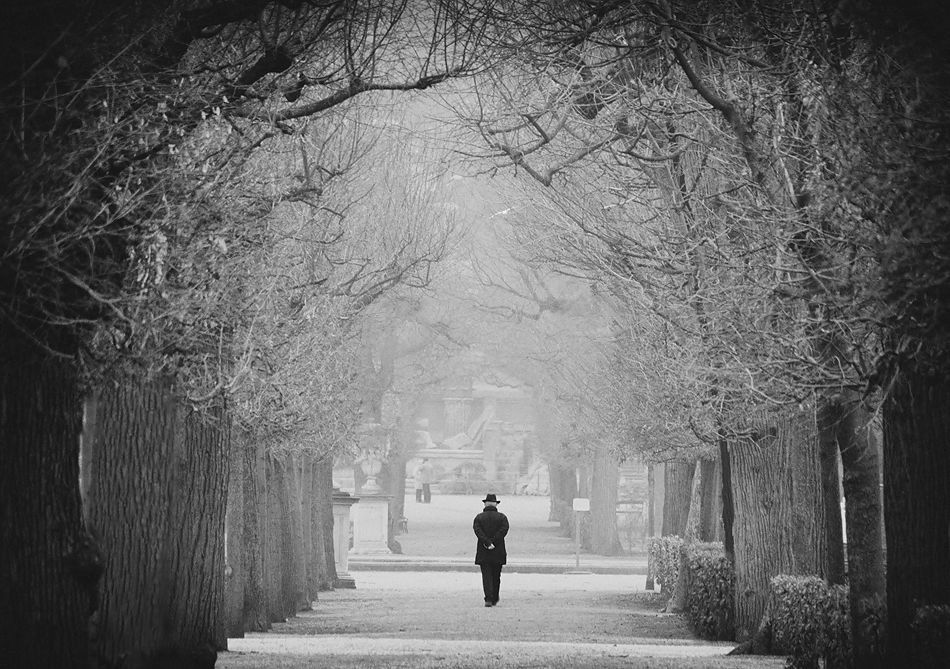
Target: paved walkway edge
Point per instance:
(632, 566)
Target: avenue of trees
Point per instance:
(729, 239)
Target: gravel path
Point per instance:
(437, 619)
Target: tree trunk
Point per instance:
(273, 538)
(49, 565)
(778, 512)
(798, 436)
(863, 512)
(831, 491)
(710, 512)
(677, 488)
(128, 470)
(605, 539)
(306, 526)
(398, 491)
(324, 495)
(287, 595)
(563, 492)
(320, 576)
(677, 601)
(235, 572)
(194, 561)
(583, 481)
(728, 499)
(298, 550)
(255, 613)
(651, 525)
(917, 508)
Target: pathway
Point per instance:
(401, 618)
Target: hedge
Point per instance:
(810, 620)
(710, 591)
(665, 553)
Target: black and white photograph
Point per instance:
(474, 334)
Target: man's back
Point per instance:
(491, 527)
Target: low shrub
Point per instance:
(931, 630)
(710, 591)
(665, 553)
(810, 620)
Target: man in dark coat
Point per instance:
(491, 526)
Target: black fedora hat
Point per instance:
(490, 497)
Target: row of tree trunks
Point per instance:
(284, 540)
(917, 507)
(188, 559)
(155, 479)
(48, 565)
(778, 524)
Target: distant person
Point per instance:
(424, 475)
(418, 485)
(491, 526)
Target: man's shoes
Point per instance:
(495, 603)
(489, 604)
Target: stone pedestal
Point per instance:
(342, 501)
(371, 525)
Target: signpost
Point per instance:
(581, 505)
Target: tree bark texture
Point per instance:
(605, 473)
(49, 565)
(778, 512)
(319, 576)
(297, 574)
(195, 540)
(276, 544)
(235, 571)
(863, 512)
(917, 503)
(255, 613)
(728, 499)
(677, 490)
(324, 496)
(710, 513)
(305, 463)
(128, 468)
(271, 547)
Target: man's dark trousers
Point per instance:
(491, 582)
